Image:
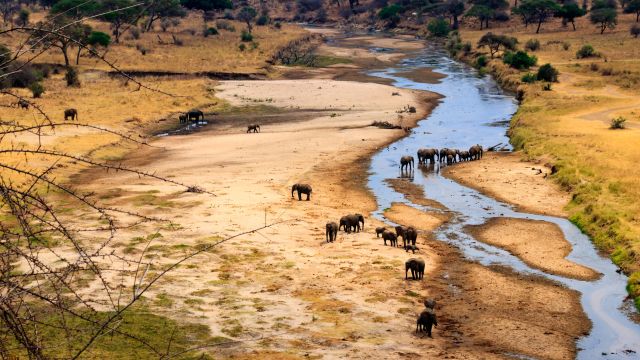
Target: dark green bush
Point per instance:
(438, 27)
(36, 89)
(586, 51)
(242, 47)
(263, 20)
(548, 73)
(99, 38)
(246, 36)
(211, 31)
(481, 61)
(519, 60)
(529, 78)
(389, 12)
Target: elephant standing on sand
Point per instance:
(332, 231)
(426, 321)
(71, 113)
(409, 237)
(360, 220)
(476, 152)
(406, 162)
(301, 189)
(417, 268)
(350, 223)
(253, 128)
(380, 230)
(400, 230)
(388, 235)
(195, 115)
(427, 154)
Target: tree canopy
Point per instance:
(495, 42)
(537, 10)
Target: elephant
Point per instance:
(301, 189)
(413, 248)
(409, 237)
(23, 104)
(183, 118)
(444, 153)
(407, 162)
(350, 223)
(195, 115)
(427, 154)
(380, 230)
(360, 220)
(464, 155)
(253, 128)
(388, 235)
(332, 231)
(450, 159)
(476, 152)
(400, 230)
(71, 113)
(426, 321)
(430, 304)
(417, 268)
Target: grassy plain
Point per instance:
(569, 127)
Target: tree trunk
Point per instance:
(63, 48)
(539, 24)
(603, 27)
(455, 23)
(78, 55)
(486, 24)
(574, 25)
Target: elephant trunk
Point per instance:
(293, 188)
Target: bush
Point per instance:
(242, 47)
(617, 123)
(277, 25)
(228, 14)
(532, 45)
(36, 89)
(481, 61)
(263, 20)
(586, 51)
(135, 32)
(225, 25)
(438, 27)
(566, 46)
(389, 12)
(99, 38)
(548, 73)
(519, 60)
(529, 78)
(210, 31)
(246, 36)
(466, 47)
(635, 30)
(72, 77)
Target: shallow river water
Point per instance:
(475, 110)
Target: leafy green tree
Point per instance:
(482, 13)
(633, 6)
(569, 12)
(162, 9)
(438, 27)
(23, 17)
(452, 9)
(120, 13)
(604, 14)
(75, 9)
(62, 33)
(519, 60)
(207, 5)
(99, 38)
(495, 42)
(247, 14)
(538, 10)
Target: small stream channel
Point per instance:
(475, 110)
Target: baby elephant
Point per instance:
(71, 113)
(23, 104)
(413, 248)
(426, 320)
(253, 128)
(332, 231)
(301, 189)
(380, 230)
(417, 268)
(183, 118)
(388, 235)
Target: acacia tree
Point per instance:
(59, 32)
(482, 13)
(247, 14)
(452, 9)
(537, 10)
(604, 14)
(633, 6)
(162, 9)
(569, 12)
(120, 13)
(495, 42)
(207, 5)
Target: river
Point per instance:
(475, 110)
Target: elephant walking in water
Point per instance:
(446, 152)
(71, 113)
(417, 268)
(301, 189)
(476, 152)
(253, 128)
(195, 115)
(406, 162)
(427, 154)
(332, 231)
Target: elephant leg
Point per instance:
(308, 196)
(299, 196)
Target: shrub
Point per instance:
(548, 73)
(466, 47)
(210, 31)
(246, 36)
(586, 51)
(529, 78)
(519, 60)
(389, 12)
(481, 61)
(566, 46)
(263, 20)
(607, 72)
(277, 25)
(242, 47)
(635, 30)
(228, 14)
(617, 123)
(135, 32)
(72, 77)
(225, 25)
(99, 38)
(36, 89)
(532, 45)
(438, 28)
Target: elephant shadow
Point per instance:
(407, 174)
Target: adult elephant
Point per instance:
(332, 231)
(464, 155)
(409, 237)
(71, 113)
(360, 220)
(195, 115)
(417, 268)
(388, 235)
(350, 223)
(301, 189)
(380, 230)
(406, 162)
(427, 154)
(400, 231)
(443, 154)
(476, 152)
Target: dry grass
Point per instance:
(570, 126)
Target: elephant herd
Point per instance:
(445, 155)
(68, 113)
(408, 234)
(194, 115)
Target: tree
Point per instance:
(538, 10)
(569, 12)
(161, 9)
(98, 38)
(482, 13)
(449, 8)
(23, 17)
(75, 9)
(127, 12)
(56, 32)
(7, 9)
(207, 5)
(495, 42)
(604, 14)
(247, 14)
(633, 6)
(438, 27)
